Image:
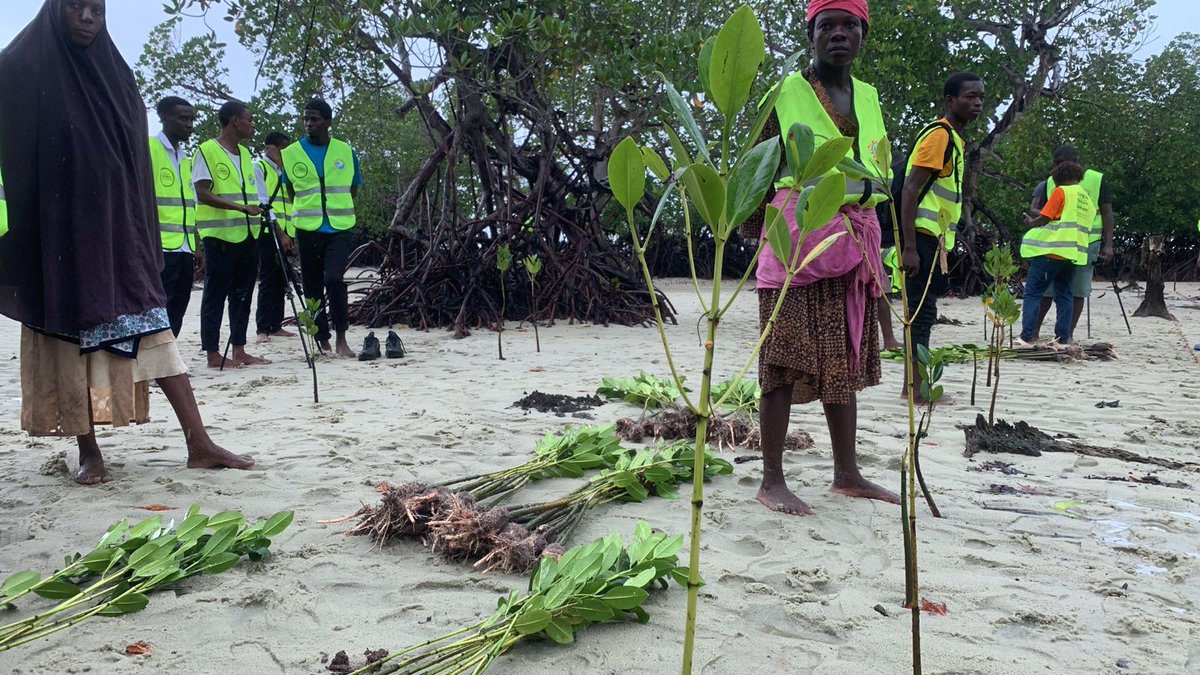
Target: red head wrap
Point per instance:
(856, 7)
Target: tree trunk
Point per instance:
(1153, 303)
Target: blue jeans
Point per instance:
(1045, 273)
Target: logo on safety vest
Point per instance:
(166, 177)
(339, 165)
(222, 171)
(299, 170)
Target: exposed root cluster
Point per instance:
(678, 422)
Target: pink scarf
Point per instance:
(856, 254)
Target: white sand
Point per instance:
(1026, 594)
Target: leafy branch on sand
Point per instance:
(129, 562)
(645, 390)
(597, 582)
(511, 539)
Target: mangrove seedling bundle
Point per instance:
(678, 422)
(598, 582)
(130, 562)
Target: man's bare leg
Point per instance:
(843, 432)
(1043, 309)
(885, 325)
(202, 452)
(214, 361)
(343, 347)
(775, 409)
(1076, 312)
(241, 357)
(91, 462)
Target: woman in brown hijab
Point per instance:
(79, 267)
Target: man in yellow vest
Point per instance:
(3, 210)
(931, 197)
(1100, 236)
(1056, 247)
(228, 186)
(271, 275)
(322, 175)
(176, 201)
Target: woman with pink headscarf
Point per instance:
(824, 345)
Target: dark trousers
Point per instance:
(1046, 273)
(923, 319)
(271, 280)
(229, 272)
(177, 273)
(323, 259)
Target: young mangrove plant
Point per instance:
(1002, 311)
(504, 260)
(308, 333)
(606, 580)
(724, 183)
(130, 562)
(533, 267)
(646, 390)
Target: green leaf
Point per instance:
(504, 258)
(114, 534)
(737, 54)
(624, 597)
(627, 174)
(799, 147)
(219, 562)
(642, 578)
(127, 604)
(153, 550)
(669, 547)
(593, 610)
(277, 523)
(219, 542)
(824, 202)
(226, 518)
(192, 527)
(826, 157)
(560, 631)
(57, 590)
(636, 492)
(812, 255)
(98, 561)
(655, 163)
(707, 193)
(146, 528)
(19, 583)
(766, 106)
(681, 156)
(684, 115)
(779, 235)
(532, 621)
(705, 62)
(750, 180)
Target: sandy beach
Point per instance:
(1112, 587)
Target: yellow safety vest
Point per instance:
(320, 197)
(1091, 182)
(276, 194)
(224, 224)
(1066, 237)
(175, 197)
(797, 102)
(3, 209)
(945, 194)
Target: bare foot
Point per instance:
(283, 333)
(92, 472)
(893, 344)
(247, 360)
(214, 361)
(209, 455)
(324, 346)
(344, 351)
(262, 337)
(780, 499)
(863, 489)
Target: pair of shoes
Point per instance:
(370, 350)
(395, 346)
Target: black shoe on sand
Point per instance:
(394, 348)
(370, 350)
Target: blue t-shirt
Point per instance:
(317, 153)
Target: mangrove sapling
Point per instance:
(645, 390)
(308, 332)
(1002, 311)
(605, 580)
(130, 562)
(504, 260)
(533, 266)
(725, 186)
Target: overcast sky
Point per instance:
(130, 22)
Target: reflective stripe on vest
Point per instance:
(176, 200)
(1066, 237)
(319, 197)
(1091, 182)
(3, 209)
(230, 185)
(945, 194)
(277, 195)
(797, 102)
